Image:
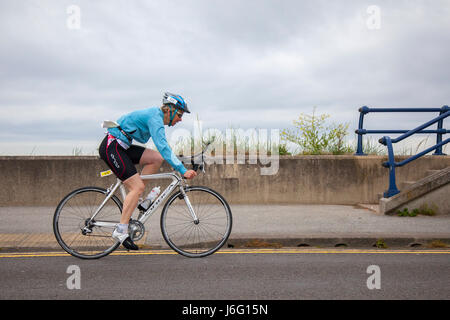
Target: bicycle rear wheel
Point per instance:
(74, 230)
(196, 238)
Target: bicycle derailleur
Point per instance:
(86, 227)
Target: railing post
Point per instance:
(359, 150)
(439, 134)
(391, 165)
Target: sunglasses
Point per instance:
(180, 114)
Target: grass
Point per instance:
(406, 213)
(246, 142)
(371, 146)
(233, 142)
(436, 244)
(380, 244)
(77, 151)
(424, 209)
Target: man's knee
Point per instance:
(159, 159)
(152, 157)
(140, 188)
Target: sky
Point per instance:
(68, 65)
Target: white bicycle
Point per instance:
(196, 221)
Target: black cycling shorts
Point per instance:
(121, 161)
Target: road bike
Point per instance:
(195, 221)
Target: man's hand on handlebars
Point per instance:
(190, 174)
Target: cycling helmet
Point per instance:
(175, 100)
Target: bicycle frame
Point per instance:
(177, 181)
(197, 161)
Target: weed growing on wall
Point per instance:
(314, 136)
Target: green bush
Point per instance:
(314, 137)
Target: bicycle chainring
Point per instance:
(136, 230)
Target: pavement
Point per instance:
(266, 226)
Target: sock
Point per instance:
(122, 228)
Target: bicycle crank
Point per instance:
(136, 230)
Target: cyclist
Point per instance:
(121, 155)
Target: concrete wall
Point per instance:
(431, 192)
(39, 181)
(437, 200)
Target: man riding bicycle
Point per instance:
(121, 155)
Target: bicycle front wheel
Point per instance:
(203, 236)
(74, 230)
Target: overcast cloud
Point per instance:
(242, 64)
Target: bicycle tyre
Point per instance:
(70, 218)
(211, 209)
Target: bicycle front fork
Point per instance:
(189, 205)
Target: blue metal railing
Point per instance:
(391, 164)
(365, 110)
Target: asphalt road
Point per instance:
(230, 275)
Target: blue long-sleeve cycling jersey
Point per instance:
(141, 125)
